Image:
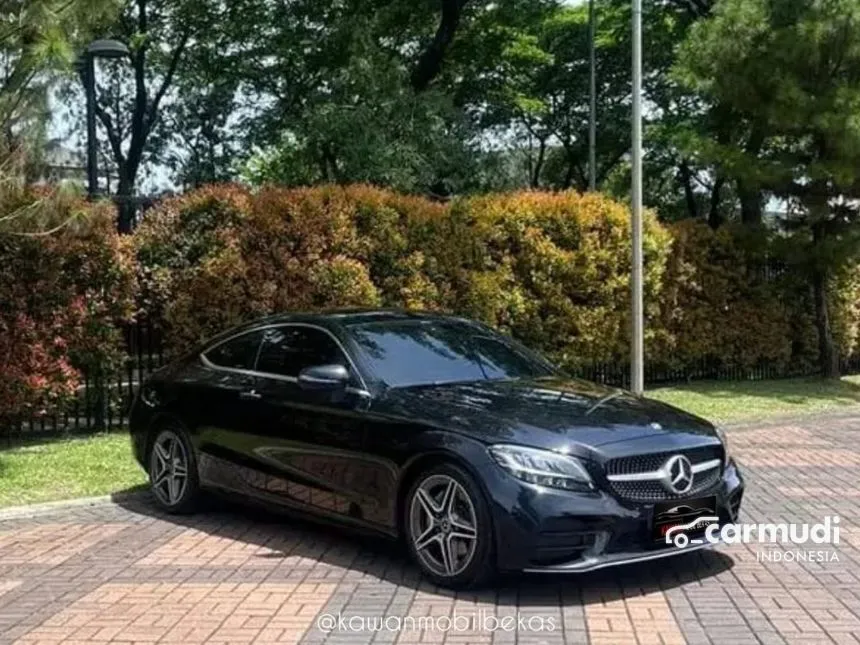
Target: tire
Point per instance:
(448, 528)
(173, 476)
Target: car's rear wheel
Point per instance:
(448, 527)
(173, 475)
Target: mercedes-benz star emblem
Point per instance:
(678, 474)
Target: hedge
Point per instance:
(66, 281)
(550, 268)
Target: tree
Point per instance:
(533, 88)
(367, 125)
(38, 39)
(430, 62)
(130, 102)
(202, 140)
(357, 91)
(791, 72)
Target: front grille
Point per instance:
(653, 491)
(646, 463)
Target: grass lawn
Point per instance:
(728, 401)
(69, 468)
(103, 464)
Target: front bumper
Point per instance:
(592, 562)
(547, 530)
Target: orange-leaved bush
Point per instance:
(551, 268)
(216, 257)
(718, 304)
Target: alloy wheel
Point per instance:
(169, 468)
(443, 525)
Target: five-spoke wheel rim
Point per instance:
(168, 468)
(443, 525)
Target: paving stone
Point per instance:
(101, 572)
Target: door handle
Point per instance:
(250, 395)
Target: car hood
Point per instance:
(553, 413)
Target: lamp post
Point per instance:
(637, 376)
(102, 48)
(592, 111)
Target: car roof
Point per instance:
(329, 319)
(349, 317)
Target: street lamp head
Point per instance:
(107, 48)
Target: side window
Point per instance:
(286, 351)
(237, 353)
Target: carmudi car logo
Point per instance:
(708, 530)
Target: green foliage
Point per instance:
(552, 269)
(367, 125)
(791, 72)
(38, 40)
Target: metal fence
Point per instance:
(102, 402)
(707, 369)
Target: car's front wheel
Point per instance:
(173, 470)
(448, 527)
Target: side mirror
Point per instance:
(324, 377)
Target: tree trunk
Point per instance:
(750, 204)
(538, 167)
(567, 182)
(715, 218)
(430, 62)
(828, 357)
(750, 193)
(125, 203)
(689, 196)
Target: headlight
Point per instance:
(542, 467)
(725, 441)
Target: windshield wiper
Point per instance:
(605, 399)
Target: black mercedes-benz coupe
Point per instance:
(436, 429)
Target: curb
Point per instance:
(46, 508)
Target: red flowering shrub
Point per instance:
(66, 280)
(215, 257)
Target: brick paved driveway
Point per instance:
(122, 573)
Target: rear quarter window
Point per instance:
(239, 352)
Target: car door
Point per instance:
(226, 405)
(312, 441)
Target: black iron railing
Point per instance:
(103, 399)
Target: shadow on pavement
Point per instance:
(385, 559)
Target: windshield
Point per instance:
(432, 352)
